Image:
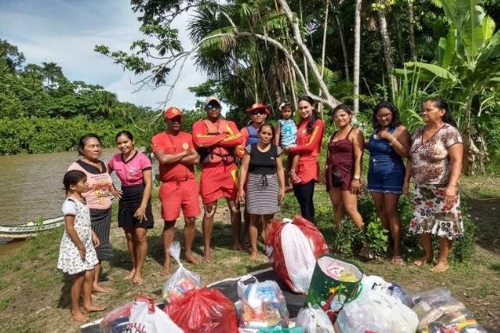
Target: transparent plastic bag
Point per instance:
(146, 317)
(377, 311)
(262, 305)
(314, 320)
(182, 280)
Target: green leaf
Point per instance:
(434, 69)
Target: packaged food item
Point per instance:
(262, 305)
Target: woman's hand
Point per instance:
(281, 194)
(450, 195)
(82, 252)
(406, 188)
(140, 214)
(116, 193)
(241, 195)
(355, 186)
(95, 240)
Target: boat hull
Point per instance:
(29, 229)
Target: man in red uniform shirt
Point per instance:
(177, 156)
(216, 139)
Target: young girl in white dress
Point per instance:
(77, 254)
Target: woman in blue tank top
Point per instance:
(388, 145)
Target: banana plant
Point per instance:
(466, 72)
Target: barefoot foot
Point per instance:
(440, 267)
(253, 256)
(422, 261)
(93, 308)
(79, 317)
(165, 270)
(130, 275)
(238, 247)
(191, 259)
(100, 289)
(138, 280)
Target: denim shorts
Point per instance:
(386, 177)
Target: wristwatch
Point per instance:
(356, 177)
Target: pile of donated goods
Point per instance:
(340, 298)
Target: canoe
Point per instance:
(29, 229)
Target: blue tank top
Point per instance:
(253, 135)
(288, 132)
(384, 159)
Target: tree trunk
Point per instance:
(323, 52)
(344, 49)
(386, 42)
(411, 31)
(357, 48)
(331, 101)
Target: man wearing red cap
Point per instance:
(177, 156)
(216, 139)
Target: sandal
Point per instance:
(398, 261)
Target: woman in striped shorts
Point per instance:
(266, 183)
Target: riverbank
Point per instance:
(34, 296)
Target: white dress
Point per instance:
(69, 258)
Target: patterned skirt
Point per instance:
(262, 194)
(431, 215)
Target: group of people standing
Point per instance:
(433, 157)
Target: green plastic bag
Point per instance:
(334, 283)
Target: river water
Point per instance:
(31, 185)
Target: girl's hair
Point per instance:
(72, 177)
(83, 139)
(441, 103)
(314, 115)
(285, 105)
(126, 133)
(395, 114)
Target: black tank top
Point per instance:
(263, 163)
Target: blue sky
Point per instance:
(66, 31)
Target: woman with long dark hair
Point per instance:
(343, 166)
(435, 163)
(133, 168)
(388, 145)
(309, 136)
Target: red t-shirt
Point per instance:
(308, 147)
(173, 144)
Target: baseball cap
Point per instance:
(172, 112)
(212, 99)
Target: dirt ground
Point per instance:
(34, 296)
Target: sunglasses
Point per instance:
(256, 112)
(212, 107)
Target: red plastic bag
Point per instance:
(293, 248)
(203, 311)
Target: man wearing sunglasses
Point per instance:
(217, 139)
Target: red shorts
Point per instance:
(176, 195)
(217, 182)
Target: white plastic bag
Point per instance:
(314, 320)
(377, 311)
(146, 317)
(182, 280)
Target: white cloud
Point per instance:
(65, 32)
